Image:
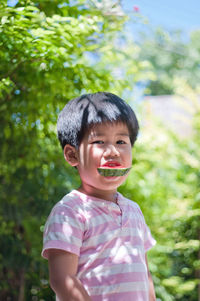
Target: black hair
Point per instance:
(80, 113)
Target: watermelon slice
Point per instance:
(113, 172)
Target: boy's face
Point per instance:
(104, 145)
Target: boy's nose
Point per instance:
(111, 150)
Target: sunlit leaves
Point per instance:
(43, 65)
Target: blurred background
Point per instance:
(147, 52)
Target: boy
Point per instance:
(95, 239)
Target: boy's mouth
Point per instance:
(111, 164)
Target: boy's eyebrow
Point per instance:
(101, 134)
(124, 134)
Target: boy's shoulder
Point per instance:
(76, 201)
(71, 199)
(71, 205)
(130, 203)
(127, 200)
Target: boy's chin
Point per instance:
(112, 182)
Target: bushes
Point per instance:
(46, 51)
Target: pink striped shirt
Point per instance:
(110, 240)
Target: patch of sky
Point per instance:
(63, 4)
(118, 73)
(66, 64)
(17, 92)
(136, 95)
(12, 3)
(51, 64)
(76, 80)
(16, 117)
(92, 57)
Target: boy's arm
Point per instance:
(152, 296)
(62, 273)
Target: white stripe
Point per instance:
(119, 288)
(107, 218)
(109, 236)
(99, 220)
(72, 240)
(107, 271)
(61, 219)
(111, 252)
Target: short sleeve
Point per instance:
(63, 230)
(148, 239)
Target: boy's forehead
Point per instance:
(105, 128)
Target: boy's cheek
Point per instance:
(95, 153)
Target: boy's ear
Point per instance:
(71, 155)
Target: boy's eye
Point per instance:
(121, 142)
(98, 142)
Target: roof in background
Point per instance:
(173, 111)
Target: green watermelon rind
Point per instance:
(113, 172)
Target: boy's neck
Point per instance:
(104, 195)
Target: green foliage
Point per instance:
(171, 56)
(44, 53)
(52, 51)
(165, 182)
